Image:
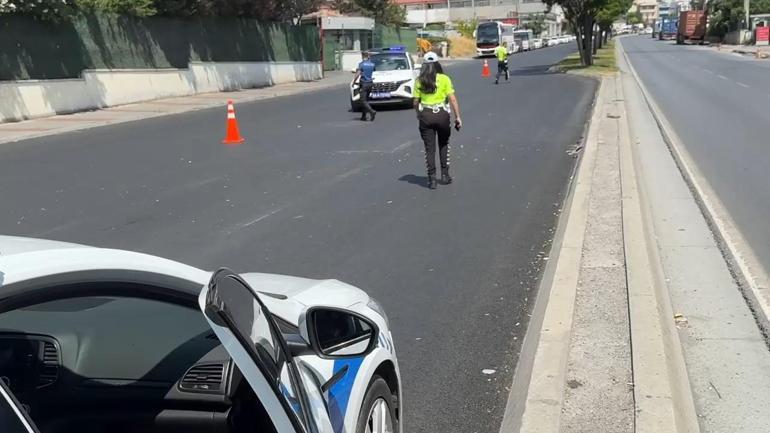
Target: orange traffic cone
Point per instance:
(233, 135)
(485, 70)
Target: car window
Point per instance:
(12, 420)
(390, 62)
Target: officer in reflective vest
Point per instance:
(502, 53)
(434, 100)
(364, 74)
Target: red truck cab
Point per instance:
(692, 26)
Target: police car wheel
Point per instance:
(378, 413)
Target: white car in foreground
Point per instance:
(394, 74)
(99, 340)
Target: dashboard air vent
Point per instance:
(203, 378)
(49, 370)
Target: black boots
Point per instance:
(446, 179)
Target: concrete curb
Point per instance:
(745, 267)
(544, 388)
(662, 395)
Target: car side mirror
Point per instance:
(337, 333)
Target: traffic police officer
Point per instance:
(365, 73)
(433, 95)
(502, 53)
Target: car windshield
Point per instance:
(488, 34)
(390, 61)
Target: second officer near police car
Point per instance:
(434, 101)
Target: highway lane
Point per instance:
(718, 105)
(316, 193)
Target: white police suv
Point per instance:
(97, 340)
(394, 74)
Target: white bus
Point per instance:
(490, 35)
(524, 39)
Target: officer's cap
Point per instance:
(430, 57)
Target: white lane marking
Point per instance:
(261, 217)
(353, 152)
(402, 146)
(349, 173)
(722, 77)
(709, 72)
(741, 84)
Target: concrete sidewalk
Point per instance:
(44, 126)
(762, 52)
(603, 358)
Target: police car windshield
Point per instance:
(390, 61)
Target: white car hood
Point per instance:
(390, 76)
(288, 296)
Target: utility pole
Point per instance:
(746, 6)
(448, 13)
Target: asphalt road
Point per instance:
(719, 105)
(314, 192)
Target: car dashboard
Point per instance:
(145, 368)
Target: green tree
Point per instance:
(536, 23)
(44, 9)
(466, 28)
(634, 18)
(139, 8)
(581, 16)
(608, 14)
(383, 11)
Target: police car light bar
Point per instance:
(395, 48)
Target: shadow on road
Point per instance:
(531, 70)
(415, 180)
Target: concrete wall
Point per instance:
(737, 37)
(105, 88)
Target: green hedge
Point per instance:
(34, 49)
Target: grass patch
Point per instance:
(604, 62)
(462, 47)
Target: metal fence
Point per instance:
(34, 49)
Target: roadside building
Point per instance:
(421, 13)
(648, 9)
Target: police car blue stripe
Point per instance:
(339, 394)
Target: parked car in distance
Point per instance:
(553, 41)
(537, 43)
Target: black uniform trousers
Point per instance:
(502, 69)
(432, 126)
(365, 88)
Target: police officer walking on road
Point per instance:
(364, 74)
(433, 95)
(502, 53)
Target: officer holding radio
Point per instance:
(434, 100)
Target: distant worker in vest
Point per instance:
(364, 74)
(502, 53)
(434, 100)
